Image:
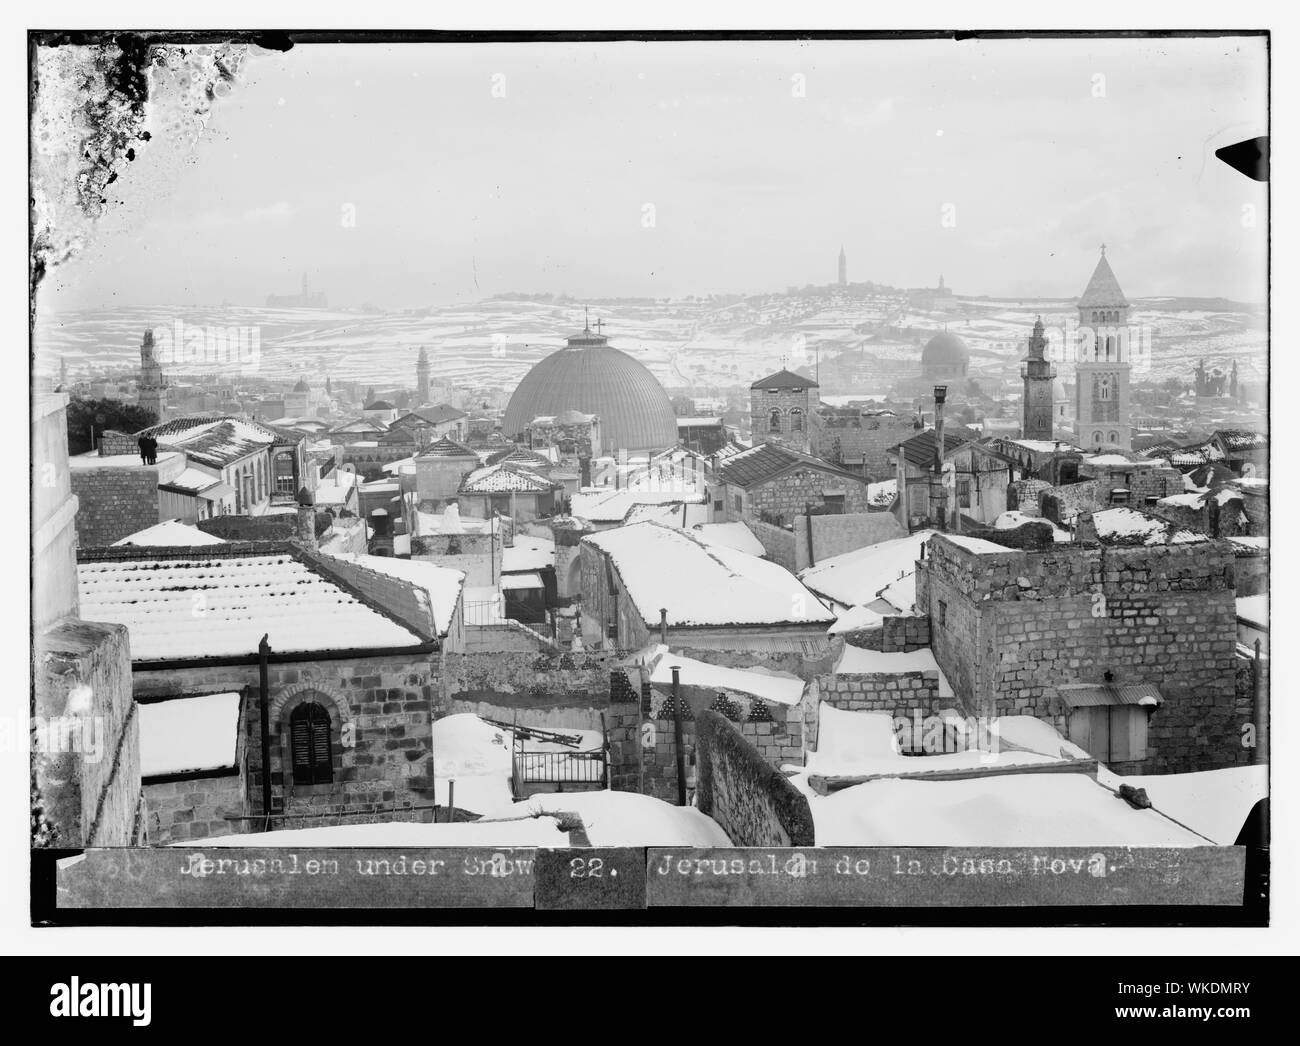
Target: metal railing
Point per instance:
(560, 767)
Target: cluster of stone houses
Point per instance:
(281, 614)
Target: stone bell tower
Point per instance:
(1103, 369)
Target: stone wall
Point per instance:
(197, 808)
(477, 556)
(834, 535)
(1023, 495)
(115, 501)
(1010, 629)
(1251, 569)
(400, 598)
(792, 493)
(749, 799)
(86, 748)
(380, 711)
(898, 694)
(659, 759)
(1062, 504)
(864, 436)
(778, 543)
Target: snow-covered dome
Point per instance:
(591, 376)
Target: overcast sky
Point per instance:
(459, 194)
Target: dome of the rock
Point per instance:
(945, 349)
(591, 376)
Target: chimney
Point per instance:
(584, 472)
(663, 625)
(306, 519)
(938, 496)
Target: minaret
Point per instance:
(1103, 368)
(1233, 388)
(1038, 374)
(422, 378)
(151, 378)
(844, 268)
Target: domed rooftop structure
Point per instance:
(591, 376)
(945, 349)
(302, 386)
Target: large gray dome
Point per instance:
(591, 376)
(945, 349)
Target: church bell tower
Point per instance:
(1103, 369)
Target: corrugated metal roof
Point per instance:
(1093, 696)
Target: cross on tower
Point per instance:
(599, 324)
(1103, 250)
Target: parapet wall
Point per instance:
(751, 800)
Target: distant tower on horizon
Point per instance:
(422, 377)
(844, 268)
(150, 395)
(1038, 373)
(1101, 386)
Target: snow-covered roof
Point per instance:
(527, 553)
(1064, 809)
(1215, 803)
(859, 661)
(703, 585)
(216, 443)
(336, 489)
(1128, 526)
(866, 743)
(193, 480)
(188, 734)
(781, 688)
(731, 535)
(179, 607)
(855, 619)
(513, 582)
(504, 477)
(609, 505)
(1253, 610)
(1013, 518)
(1042, 446)
(442, 586)
(858, 577)
(980, 546)
(93, 460)
(171, 532)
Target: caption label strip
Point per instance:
(636, 878)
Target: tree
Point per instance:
(85, 415)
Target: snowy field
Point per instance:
(685, 344)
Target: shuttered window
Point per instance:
(309, 728)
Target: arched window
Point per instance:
(1114, 438)
(774, 421)
(309, 742)
(1103, 388)
(796, 420)
(1096, 438)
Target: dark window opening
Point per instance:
(313, 757)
